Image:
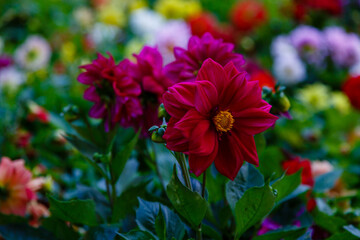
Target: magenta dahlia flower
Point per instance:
(188, 61)
(148, 72)
(113, 92)
(214, 119)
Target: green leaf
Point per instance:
(160, 226)
(343, 236)
(270, 162)
(187, 203)
(147, 218)
(8, 219)
(74, 211)
(252, 207)
(136, 235)
(24, 232)
(101, 232)
(330, 223)
(127, 201)
(247, 177)
(121, 157)
(84, 147)
(59, 229)
(326, 181)
(289, 232)
(211, 232)
(287, 185)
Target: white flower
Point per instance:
(281, 46)
(83, 16)
(173, 34)
(145, 23)
(33, 54)
(289, 70)
(11, 77)
(103, 33)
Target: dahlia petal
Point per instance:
(98, 110)
(253, 121)
(203, 138)
(188, 122)
(246, 97)
(87, 78)
(198, 164)
(247, 147)
(174, 138)
(232, 91)
(206, 97)
(90, 94)
(229, 158)
(213, 72)
(179, 99)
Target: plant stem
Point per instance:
(185, 172)
(199, 230)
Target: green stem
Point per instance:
(199, 229)
(182, 162)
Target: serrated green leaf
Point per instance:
(247, 177)
(287, 185)
(74, 211)
(160, 226)
(255, 204)
(187, 203)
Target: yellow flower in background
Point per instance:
(67, 52)
(178, 8)
(137, 4)
(112, 15)
(340, 102)
(316, 96)
(84, 16)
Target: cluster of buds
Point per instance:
(278, 100)
(157, 132)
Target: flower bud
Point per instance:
(157, 136)
(162, 112)
(70, 113)
(284, 103)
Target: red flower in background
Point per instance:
(214, 119)
(148, 72)
(37, 113)
(352, 89)
(265, 79)
(302, 7)
(113, 92)
(248, 14)
(294, 165)
(188, 61)
(206, 22)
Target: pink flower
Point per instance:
(214, 119)
(320, 167)
(148, 72)
(111, 89)
(188, 61)
(15, 187)
(37, 211)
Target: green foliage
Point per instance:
(254, 205)
(75, 211)
(187, 203)
(286, 233)
(287, 185)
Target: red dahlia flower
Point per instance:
(214, 119)
(188, 61)
(148, 72)
(352, 89)
(294, 165)
(248, 14)
(112, 90)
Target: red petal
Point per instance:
(253, 121)
(175, 140)
(246, 97)
(188, 122)
(203, 138)
(229, 158)
(247, 146)
(213, 72)
(179, 99)
(198, 164)
(206, 97)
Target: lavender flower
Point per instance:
(309, 43)
(11, 77)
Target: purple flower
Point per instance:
(310, 44)
(113, 92)
(188, 61)
(344, 48)
(5, 61)
(268, 225)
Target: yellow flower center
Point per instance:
(223, 121)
